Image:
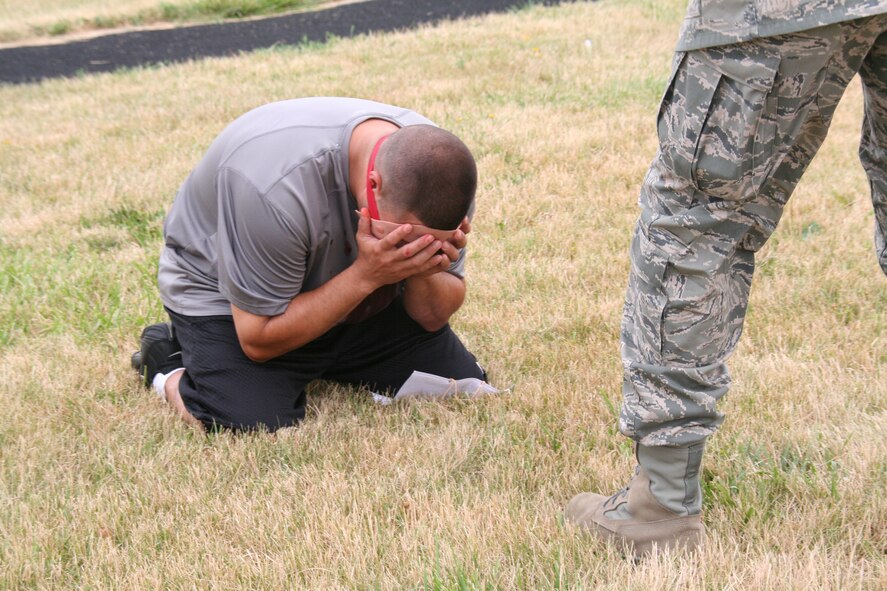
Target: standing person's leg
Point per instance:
(873, 146)
(738, 126)
(383, 351)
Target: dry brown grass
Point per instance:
(100, 487)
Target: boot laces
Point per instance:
(616, 499)
(622, 494)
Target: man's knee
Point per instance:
(265, 407)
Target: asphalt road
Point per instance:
(19, 65)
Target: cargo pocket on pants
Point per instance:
(711, 129)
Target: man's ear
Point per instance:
(376, 181)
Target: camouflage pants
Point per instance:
(738, 126)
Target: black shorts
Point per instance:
(222, 387)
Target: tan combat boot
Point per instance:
(634, 519)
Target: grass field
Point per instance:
(36, 20)
(101, 487)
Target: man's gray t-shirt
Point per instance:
(267, 213)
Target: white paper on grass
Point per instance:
(434, 386)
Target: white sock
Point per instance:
(159, 382)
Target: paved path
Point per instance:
(109, 52)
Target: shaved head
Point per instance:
(429, 173)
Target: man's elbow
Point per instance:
(432, 324)
(250, 329)
(260, 352)
(255, 353)
(429, 319)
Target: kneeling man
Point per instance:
(319, 238)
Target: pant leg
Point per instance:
(383, 351)
(738, 126)
(222, 387)
(873, 146)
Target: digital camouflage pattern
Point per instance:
(738, 126)
(719, 22)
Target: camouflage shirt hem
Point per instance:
(699, 32)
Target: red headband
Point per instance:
(371, 195)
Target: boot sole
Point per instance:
(661, 535)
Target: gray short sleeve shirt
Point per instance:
(267, 213)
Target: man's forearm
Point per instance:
(308, 316)
(431, 300)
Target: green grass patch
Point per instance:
(34, 22)
(224, 9)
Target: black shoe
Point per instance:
(160, 352)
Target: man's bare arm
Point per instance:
(431, 301)
(430, 298)
(312, 313)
